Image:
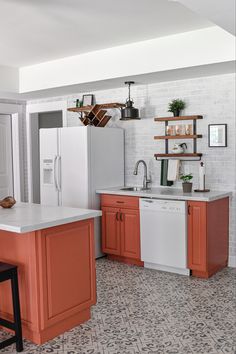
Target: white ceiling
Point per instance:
(221, 12)
(34, 31)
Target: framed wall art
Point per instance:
(217, 135)
(88, 100)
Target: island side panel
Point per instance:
(66, 272)
(20, 249)
(56, 276)
(208, 236)
(217, 235)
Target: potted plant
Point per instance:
(176, 106)
(187, 185)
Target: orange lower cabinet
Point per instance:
(56, 278)
(130, 233)
(197, 237)
(207, 236)
(111, 230)
(121, 229)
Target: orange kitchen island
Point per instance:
(53, 248)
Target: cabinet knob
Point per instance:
(117, 216)
(121, 217)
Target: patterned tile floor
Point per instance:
(147, 311)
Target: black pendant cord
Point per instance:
(129, 91)
(129, 83)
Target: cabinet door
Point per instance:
(67, 271)
(130, 233)
(110, 230)
(197, 236)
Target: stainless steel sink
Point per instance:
(134, 189)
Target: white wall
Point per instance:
(201, 47)
(9, 79)
(213, 97)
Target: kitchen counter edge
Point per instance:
(71, 215)
(174, 194)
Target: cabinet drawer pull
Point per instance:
(120, 202)
(121, 217)
(117, 216)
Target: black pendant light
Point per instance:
(129, 112)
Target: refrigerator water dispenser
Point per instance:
(48, 171)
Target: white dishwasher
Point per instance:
(164, 235)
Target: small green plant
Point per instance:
(78, 103)
(186, 178)
(176, 106)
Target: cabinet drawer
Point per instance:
(120, 201)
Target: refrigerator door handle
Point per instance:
(59, 173)
(54, 170)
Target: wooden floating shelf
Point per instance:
(178, 155)
(80, 109)
(164, 119)
(102, 106)
(166, 137)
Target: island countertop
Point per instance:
(27, 217)
(168, 193)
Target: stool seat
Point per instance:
(4, 267)
(9, 272)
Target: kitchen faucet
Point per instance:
(145, 179)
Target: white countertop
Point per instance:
(26, 217)
(168, 193)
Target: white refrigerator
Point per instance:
(75, 161)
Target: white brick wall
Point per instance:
(213, 97)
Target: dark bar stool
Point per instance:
(9, 272)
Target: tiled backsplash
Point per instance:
(213, 97)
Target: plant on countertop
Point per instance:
(187, 185)
(186, 178)
(176, 106)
